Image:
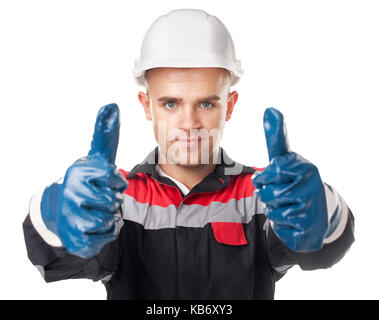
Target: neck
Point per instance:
(188, 175)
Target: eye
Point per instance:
(206, 105)
(170, 105)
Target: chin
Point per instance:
(190, 165)
(194, 162)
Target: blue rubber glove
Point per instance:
(292, 190)
(81, 211)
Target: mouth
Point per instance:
(190, 141)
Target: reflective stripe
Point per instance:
(107, 278)
(150, 216)
(344, 212)
(283, 268)
(157, 217)
(331, 200)
(232, 211)
(41, 270)
(36, 218)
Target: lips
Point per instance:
(190, 140)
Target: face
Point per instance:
(188, 108)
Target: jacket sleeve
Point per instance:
(54, 263)
(333, 250)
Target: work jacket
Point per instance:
(212, 243)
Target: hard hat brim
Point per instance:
(209, 61)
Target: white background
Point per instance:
(316, 61)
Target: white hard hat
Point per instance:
(186, 38)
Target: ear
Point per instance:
(145, 101)
(233, 97)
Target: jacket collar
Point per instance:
(219, 178)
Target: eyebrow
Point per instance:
(174, 99)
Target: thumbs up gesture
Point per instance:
(82, 211)
(292, 190)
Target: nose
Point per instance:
(189, 119)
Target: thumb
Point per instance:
(105, 137)
(276, 133)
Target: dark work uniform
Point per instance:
(213, 243)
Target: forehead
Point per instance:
(214, 79)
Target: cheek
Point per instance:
(157, 119)
(215, 120)
(221, 124)
(162, 124)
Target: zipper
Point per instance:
(176, 235)
(176, 239)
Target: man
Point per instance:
(188, 222)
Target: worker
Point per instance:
(188, 222)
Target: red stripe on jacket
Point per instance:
(145, 189)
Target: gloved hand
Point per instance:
(292, 190)
(82, 210)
